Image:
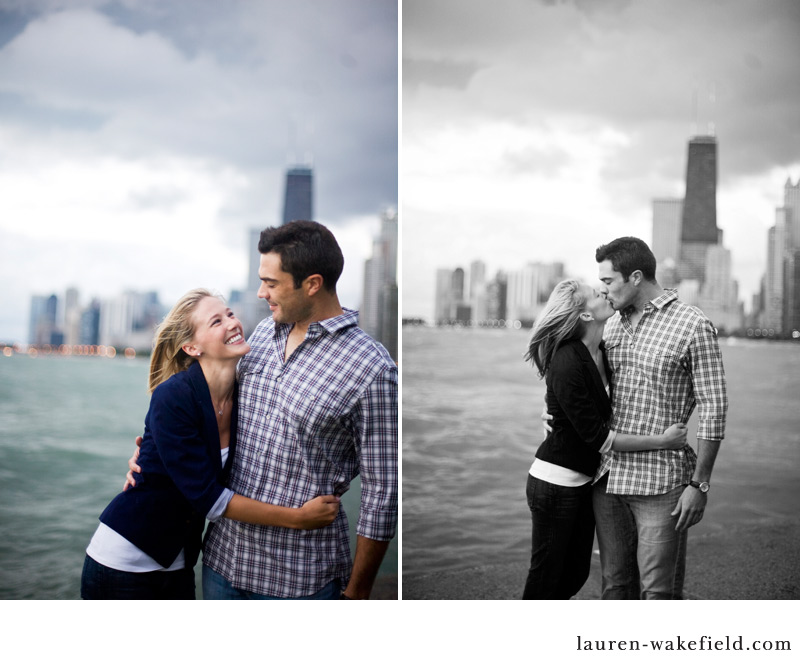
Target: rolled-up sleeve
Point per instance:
(377, 433)
(708, 381)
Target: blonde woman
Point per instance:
(567, 349)
(149, 536)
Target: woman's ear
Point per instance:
(192, 350)
(586, 316)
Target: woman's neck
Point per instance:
(220, 376)
(593, 336)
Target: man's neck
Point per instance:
(647, 291)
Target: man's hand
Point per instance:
(545, 419)
(690, 508)
(133, 466)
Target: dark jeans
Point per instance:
(216, 587)
(561, 541)
(99, 582)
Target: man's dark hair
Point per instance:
(305, 248)
(628, 254)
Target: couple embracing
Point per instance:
(620, 389)
(260, 437)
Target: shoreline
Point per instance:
(746, 561)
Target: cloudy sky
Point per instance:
(141, 139)
(538, 130)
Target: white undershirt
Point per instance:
(113, 550)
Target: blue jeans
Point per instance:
(100, 582)
(641, 553)
(216, 587)
(561, 539)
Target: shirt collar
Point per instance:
(348, 318)
(664, 299)
(669, 295)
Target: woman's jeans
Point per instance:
(641, 554)
(561, 540)
(99, 582)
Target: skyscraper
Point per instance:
(667, 216)
(378, 313)
(298, 196)
(699, 218)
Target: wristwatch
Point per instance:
(703, 486)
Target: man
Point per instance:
(665, 361)
(317, 407)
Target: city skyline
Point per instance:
(144, 168)
(539, 131)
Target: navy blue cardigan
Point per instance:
(182, 475)
(581, 409)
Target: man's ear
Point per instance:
(637, 277)
(312, 284)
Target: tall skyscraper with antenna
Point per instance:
(699, 216)
(298, 199)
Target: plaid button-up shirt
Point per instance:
(307, 427)
(662, 369)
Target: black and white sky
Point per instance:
(536, 130)
(142, 139)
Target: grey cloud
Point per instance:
(250, 85)
(441, 73)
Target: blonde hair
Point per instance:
(176, 330)
(558, 322)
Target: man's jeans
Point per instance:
(216, 587)
(641, 554)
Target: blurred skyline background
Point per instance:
(536, 131)
(143, 141)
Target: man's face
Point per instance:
(287, 304)
(620, 293)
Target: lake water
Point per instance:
(67, 427)
(471, 425)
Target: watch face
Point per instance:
(704, 487)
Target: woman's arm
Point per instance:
(319, 512)
(673, 438)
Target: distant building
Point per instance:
(688, 246)
(719, 296)
(699, 215)
(42, 329)
(378, 315)
(72, 317)
(298, 202)
(130, 319)
(90, 325)
(773, 282)
(529, 289)
(496, 295)
(667, 218)
(781, 302)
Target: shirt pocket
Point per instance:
(659, 366)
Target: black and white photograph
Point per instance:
(600, 224)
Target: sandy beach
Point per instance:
(748, 561)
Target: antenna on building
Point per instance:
(291, 146)
(694, 109)
(712, 99)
